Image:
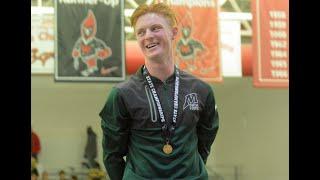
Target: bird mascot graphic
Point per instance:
(89, 50)
(188, 48)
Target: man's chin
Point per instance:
(154, 56)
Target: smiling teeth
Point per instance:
(151, 45)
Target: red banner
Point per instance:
(197, 43)
(270, 43)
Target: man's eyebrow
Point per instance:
(155, 24)
(140, 29)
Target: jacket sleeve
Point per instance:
(207, 126)
(115, 128)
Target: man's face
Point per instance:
(154, 35)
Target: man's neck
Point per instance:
(161, 70)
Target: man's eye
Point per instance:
(140, 33)
(156, 28)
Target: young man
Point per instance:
(162, 119)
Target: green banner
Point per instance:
(89, 42)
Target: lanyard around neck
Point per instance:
(156, 98)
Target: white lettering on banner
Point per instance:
(279, 54)
(111, 3)
(279, 73)
(192, 3)
(278, 44)
(279, 63)
(278, 24)
(91, 2)
(278, 34)
(277, 14)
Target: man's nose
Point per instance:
(149, 34)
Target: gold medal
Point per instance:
(167, 148)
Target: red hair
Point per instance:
(158, 8)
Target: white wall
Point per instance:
(253, 135)
(254, 130)
(61, 113)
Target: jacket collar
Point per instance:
(170, 79)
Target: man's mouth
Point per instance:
(151, 45)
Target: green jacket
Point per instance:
(132, 129)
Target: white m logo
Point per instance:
(191, 101)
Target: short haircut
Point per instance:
(158, 8)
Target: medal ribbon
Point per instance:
(167, 132)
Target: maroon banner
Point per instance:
(197, 44)
(270, 43)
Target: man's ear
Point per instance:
(174, 32)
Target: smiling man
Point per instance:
(162, 119)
